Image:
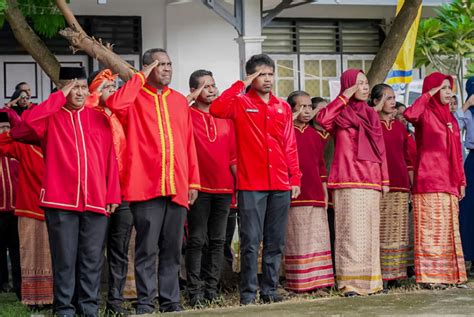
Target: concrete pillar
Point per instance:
(250, 42)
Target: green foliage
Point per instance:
(43, 15)
(444, 41)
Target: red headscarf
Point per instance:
(358, 115)
(106, 74)
(444, 115)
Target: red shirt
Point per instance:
(161, 156)
(346, 170)
(80, 166)
(215, 146)
(267, 156)
(396, 139)
(311, 157)
(412, 148)
(30, 175)
(432, 168)
(118, 136)
(9, 176)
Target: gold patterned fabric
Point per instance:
(357, 247)
(35, 262)
(394, 235)
(438, 251)
(308, 262)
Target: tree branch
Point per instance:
(31, 42)
(387, 54)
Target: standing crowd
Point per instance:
(344, 193)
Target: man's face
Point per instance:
(161, 74)
(4, 127)
(26, 88)
(209, 92)
(108, 89)
(390, 103)
(264, 82)
(78, 94)
(304, 102)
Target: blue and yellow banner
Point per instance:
(402, 70)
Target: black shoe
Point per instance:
(175, 307)
(351, 294)
(268, 299)
(197, 301)
(245, 302)
(144, 311)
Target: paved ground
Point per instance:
(452, 302)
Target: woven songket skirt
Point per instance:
(438, 250)
(308, 263)
(357, 247)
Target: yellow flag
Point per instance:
(402, 70)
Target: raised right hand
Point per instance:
(349, 92)
(250, 78)
(433, 91)
(66, 89)
(148, 68)
(12, 103)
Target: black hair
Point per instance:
(377, 93)
(291, 97)
(194, 78)
(258, 60)
(399, 104)
(147, 58)
(17, 87)
(92, 76)
(316, 100)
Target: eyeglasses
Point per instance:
(25, 97)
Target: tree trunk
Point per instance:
(31, 42)
(387, 54)
(80, 41)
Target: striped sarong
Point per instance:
(308, 263)
(438, 250)
(394, 236)
(35, 262)
(357, 247)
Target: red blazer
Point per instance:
(215, 146)
(311, 157)
(396, 139)
(160, 158)
(267, 156)
(30, 175)
(346, 170)
(432, 168)
(81, 171)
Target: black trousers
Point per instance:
(160, 226)
(263, 215)
(229, 235)
(118, 241)
(9, 241)
(207, 223)
(77, 242)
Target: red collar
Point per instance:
(252, 94)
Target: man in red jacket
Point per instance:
(80, 189)
(161, 176)
(268, 173)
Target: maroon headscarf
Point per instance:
(444, 115)
(360, 116)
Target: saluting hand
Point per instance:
(250, 78)
(433, 91)
(149, 68)
(196, 92)
(349, 92)
(66, 89)
(12, 103)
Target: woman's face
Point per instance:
(445, 93)
(24, 100)
(364, 90)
